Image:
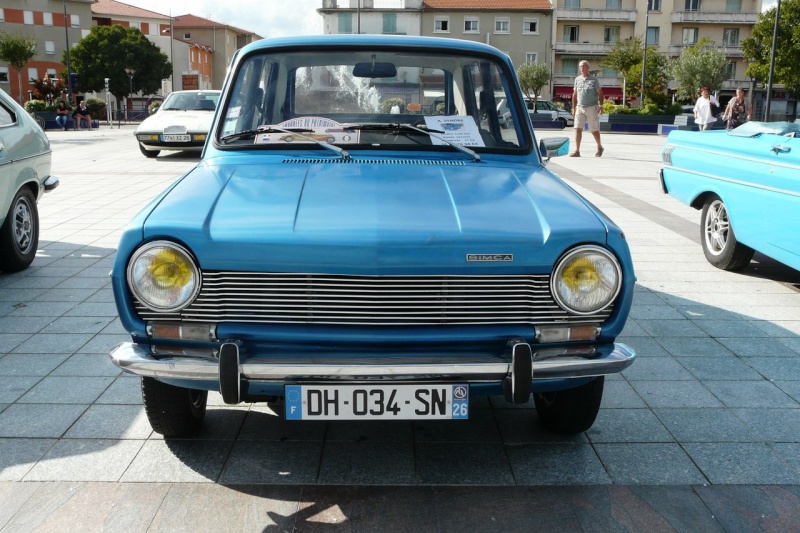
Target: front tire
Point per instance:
(19, 235)
(571, 410)
(173, 411)
(563, 122)
(718, 239)
(148, 153)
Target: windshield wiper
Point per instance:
(294, 131)
(395, 126)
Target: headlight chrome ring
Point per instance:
(586, 280)
(163, 276)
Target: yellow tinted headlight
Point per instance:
(586, 280)
(163, 276)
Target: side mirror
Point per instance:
(554, 147)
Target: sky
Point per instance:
(267, 18)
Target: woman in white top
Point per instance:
(702, 110)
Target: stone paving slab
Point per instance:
(702, 433)
(190, 507)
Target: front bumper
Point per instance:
(543, 364)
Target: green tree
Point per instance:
(757, 48)
(656, 79)
(625, 57)
(17, 50)
(698, 66)
(532, 77)
(108, 50)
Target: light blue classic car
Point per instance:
(747, 184)
(25, 158)
(363, 241)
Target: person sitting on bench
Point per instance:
(81, 114)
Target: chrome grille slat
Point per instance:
(373, 301)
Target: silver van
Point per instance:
(545, 108)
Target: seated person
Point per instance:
(81, 114)
(61, 115)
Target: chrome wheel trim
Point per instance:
(717, 227)
(23, 225)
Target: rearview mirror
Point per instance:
(374, 70)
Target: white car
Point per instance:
(182, 122)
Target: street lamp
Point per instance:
(130, 73)
(644, 54)
(69, 67)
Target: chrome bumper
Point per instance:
(546, 364)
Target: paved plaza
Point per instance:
(702, 433)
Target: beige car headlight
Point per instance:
(163, 276)
(586, 280)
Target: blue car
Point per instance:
(745, 183)
(391, 262)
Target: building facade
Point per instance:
(221, 39)
(520, 28)
(54, 25)
(588, 29)
(392, 17)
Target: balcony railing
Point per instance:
(623, 15)
(715, 17)
(586, 48)
(565, 79)
(730, 51)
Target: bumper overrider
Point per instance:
(522, 365)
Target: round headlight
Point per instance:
(163, 276)
(586, 280)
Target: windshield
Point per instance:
(191, 101)
(344, 97)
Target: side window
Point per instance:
(7, 117)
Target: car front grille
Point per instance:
(266, 298)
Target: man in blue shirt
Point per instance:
(587, 105)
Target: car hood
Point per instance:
(196, 121)
(371, 217)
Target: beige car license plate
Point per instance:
(177, 138)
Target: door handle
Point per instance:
(781, 149)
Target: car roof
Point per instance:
(321, 41)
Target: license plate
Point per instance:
(177, 138)
(377, 402)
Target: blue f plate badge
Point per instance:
(377, 402)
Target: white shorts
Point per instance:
(589, 114)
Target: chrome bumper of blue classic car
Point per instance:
(524, 364)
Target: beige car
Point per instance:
(25, 157)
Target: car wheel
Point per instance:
(19, 235)
(718, 239)
(571, 410)
(148, 153)
(173, 411)
(563, 122)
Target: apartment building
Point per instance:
(521, 28)
(191, 61)
(54, 25)
(222, 39)
(588, 29)
(392, 17)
